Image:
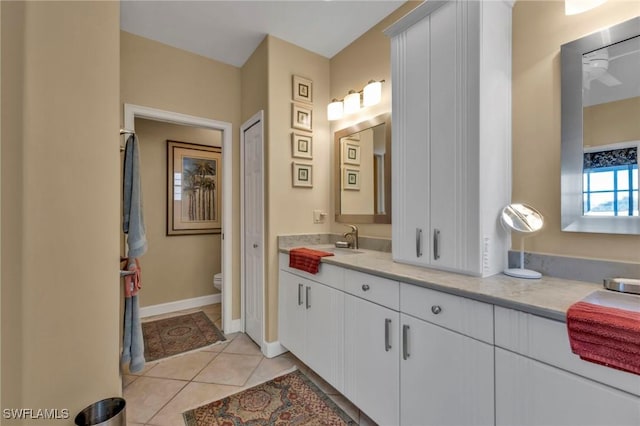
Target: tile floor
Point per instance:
(166, 388)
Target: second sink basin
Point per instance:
(628, 302)
(341, 251)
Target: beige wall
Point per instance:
(367, 58)
(159, 76)
(290, 210)
(62, 157)
(612, 122)
(174, 267)
(255, 85)
(539, 29)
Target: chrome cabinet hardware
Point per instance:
(299, 294)
(405, 342)
(308, 298)
(436, 309)
(418, 242)
(436, 244)
(387, 331)
(365, 287)
(255, 245)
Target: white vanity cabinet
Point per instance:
(372, 346)
(540, 381)
(446, 367)
(451, 109)
(311, 322)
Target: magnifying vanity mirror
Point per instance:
(524, 220)
(601, 131)
(363, 172)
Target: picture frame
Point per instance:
(194, 189)
(301, 146)
(301, 117)
(351, 179)
(302, 175)
(351, 153)
(302, 90)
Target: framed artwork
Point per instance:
(351, 179)
(302, 175)
(194, 188)
(351, 153)
(300, 117)
(301, 146)
(302, 89)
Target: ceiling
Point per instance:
(229, 31)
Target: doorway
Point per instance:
(131, 112)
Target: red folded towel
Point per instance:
(306, 259)
(605, 335)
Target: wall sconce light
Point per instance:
(573, 7)
(371, 95)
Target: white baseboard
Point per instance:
(234, 327)
(272, 349)
(178, 305)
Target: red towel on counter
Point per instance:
(306, 259)
(604, 335)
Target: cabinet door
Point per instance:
(411, 145)
(447, 378)
(325, 332)
(371, 366)
(291, 313)
(529, 392)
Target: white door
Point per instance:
(251, 134)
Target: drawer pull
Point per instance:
(436, 309)
(299, 294)
(387, 331)
(365, 287)
(405, 342)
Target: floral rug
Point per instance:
(291, 399)
(171, 336)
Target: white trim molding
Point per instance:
(273, 349)
(133, 111)
(179, 305)
(233, 326)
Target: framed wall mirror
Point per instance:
(601, 131)
(363, 172)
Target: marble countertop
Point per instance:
(548, 297)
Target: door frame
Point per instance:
(131, 112)
(257, 117)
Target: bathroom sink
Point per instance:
(612, 299)
(338, 251)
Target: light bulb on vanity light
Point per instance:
(352, 102)
(573, 7)
(335, 110)
(372, 93)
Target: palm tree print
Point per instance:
(199, 186)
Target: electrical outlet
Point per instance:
(318, 216)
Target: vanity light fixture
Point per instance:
(352, 102)
(371, 95)
(573, 7)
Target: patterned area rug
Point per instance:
(171, 336)
(291, 399)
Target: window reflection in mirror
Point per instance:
(363, 172)
(611, 129)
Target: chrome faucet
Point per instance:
(352, 236)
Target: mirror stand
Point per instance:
(521, 272)
(524, 220)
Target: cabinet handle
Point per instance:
(405, 342)
(365, 287)
(436, 309)
(418, 242)
(436, 244)
(308, 298)
(299, 294)
(387, 331)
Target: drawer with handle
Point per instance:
(465, 316)
(376, 289)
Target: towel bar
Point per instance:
(126, 273)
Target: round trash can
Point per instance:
(108, 412)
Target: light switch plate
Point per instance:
(318, 216)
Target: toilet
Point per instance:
(217, 281)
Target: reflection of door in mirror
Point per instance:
(611, 129)
(363, 161)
